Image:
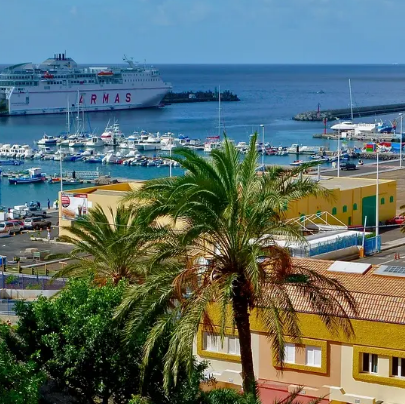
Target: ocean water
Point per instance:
(270, 95)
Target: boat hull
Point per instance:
(17, 181)
(96, 99)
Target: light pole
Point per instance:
(170, 155)
(263, 148)
(338, 160)
(377, 202)
(400, 140)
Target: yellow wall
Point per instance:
(348, 197)
(343, 378)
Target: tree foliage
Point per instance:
(19, 381)
(225, 250)
(108, 245)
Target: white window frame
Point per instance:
(210, 342)
(371, 358)
(400, 367)
(289, 353)
(235, 341)
(313, 356)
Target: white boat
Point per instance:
(212, 143)
(95, 141)
(77, 143)
(297, 163)
(47, 140)
(149, 141)
(28, 88)
(112, 134)
(111, 158)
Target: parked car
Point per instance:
(4, 230)
(36, 223)
(34, 211)
(396, 220)
(348, 166)
(14, 226)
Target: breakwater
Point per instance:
(198, 96)
(345, 113)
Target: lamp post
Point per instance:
(170, 155)
(338, 160)
(400, 145)
(263, 148)
(377, 202)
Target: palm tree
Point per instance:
(110, 248)
(230, 215)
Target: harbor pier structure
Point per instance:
(346, 113)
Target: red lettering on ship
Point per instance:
(128, 97)
(117, 98)
(93, 99)
(105, 98)
(81, 100)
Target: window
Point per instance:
(233, 346)
(349, 221)
(382, 201)
(289, 353)
(370, 363)
(344, 208)
(355, 206)
(211, 342)
(391, 199)
(313, 356)
(398, 367)
(334, 211)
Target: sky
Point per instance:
(204, 31)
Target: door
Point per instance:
(368, 209)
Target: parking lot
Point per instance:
(15, 245)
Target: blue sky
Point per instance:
(204, 31)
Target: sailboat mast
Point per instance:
(351, 102)
(68, 116)
(219, 110)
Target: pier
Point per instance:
(198, 96)
(345, 113)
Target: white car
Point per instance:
(4, 230)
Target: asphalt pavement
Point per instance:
(14, 245)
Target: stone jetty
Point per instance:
(345, 113)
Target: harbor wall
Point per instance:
(345, 113)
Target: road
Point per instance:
(367, 169)
(14, 245)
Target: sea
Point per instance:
(270, 95)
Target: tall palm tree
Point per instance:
(110, 247)
(231, 215)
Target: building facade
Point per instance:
(366, 368)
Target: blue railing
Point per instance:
(372, 245)
(333, 245)
(21, 281)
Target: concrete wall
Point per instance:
(18, 294)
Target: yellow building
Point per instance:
(368, 368)
(351, 201)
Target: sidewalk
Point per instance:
(392, 244)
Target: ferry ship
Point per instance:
(58, 82)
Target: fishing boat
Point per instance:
(47, 140)
(297, 163)
(34, 176)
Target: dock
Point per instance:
(367, 137)
(345, 113)
(198, 96)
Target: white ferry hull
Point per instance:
(104, 99)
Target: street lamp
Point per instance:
(338, 160)
(263, 148)
(400, 146)
(377, 204)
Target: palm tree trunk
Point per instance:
(241, 313)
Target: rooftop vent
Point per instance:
(350, 267)
(390, 270)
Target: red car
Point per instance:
(396, 220)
